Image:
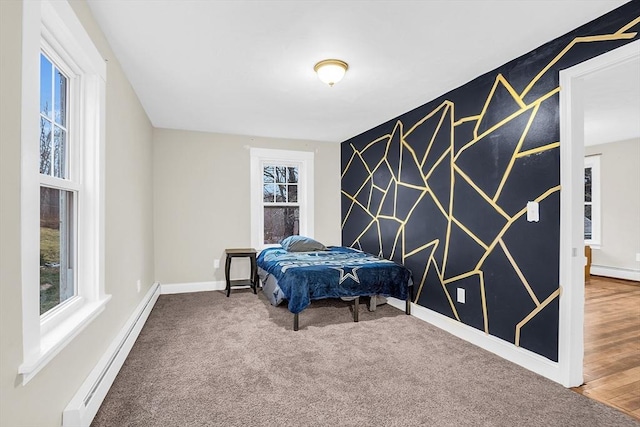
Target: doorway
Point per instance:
(572, 260)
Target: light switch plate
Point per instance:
(461, 295)
(533, 211)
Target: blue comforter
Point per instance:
(336, 272)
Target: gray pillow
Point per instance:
(301, 244)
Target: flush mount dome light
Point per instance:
(331, 71)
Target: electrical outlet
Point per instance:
(138, 284)
(216, 263)
(461, 295)
(638, 257)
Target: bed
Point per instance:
(300, 277)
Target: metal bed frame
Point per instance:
(356, 303)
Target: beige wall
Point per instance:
(202, 203)
(620, 190)
(128, 222)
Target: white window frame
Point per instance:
(53, 27)
(304, 161)
(71, 183)
(593, 162)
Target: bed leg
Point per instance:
(356, 304)
(408, 309)
(295, 322)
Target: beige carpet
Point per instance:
(206, 360)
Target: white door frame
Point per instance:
(572, 260)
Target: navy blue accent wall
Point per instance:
(443, 189)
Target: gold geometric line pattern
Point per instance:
(354, 201)
(500, 80)
(373, 221)
(428, 116)
(395, 198)
(628, 26)
(385, 192)
(451, 304)
(362, 187)
(533, 313)
(435, 133)
(510, 117)
(587, 39)
(415, 205)
(460, 277)
(415, 158)
(397, 129)
(375, 141)
(449, 222)
(469, 233)
(518, 147)
(466, 119)
(366, 166)
(482, 193)
(510, 222)
(346, 168)
(399, 233)
(444, 155)
(415, 187)
(430, 259)
(483, 297)
(519, 272)
(448, 215)
(538, 150)
(488, 132)
(433, 243)
(442, 119)
(439, 205)
(444, 288)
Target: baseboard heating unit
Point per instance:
(86, 402)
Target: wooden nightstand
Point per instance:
(241, 253)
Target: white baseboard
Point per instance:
(181, 288)
(615, 272)
(85, 403)
(518, 355)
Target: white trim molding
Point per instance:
(518, 355)
(55, 25)
(304, 159)
(53, 341)
(85, 403)
(181, 288)
(615, 272)
(572, 260)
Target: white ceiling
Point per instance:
(612, 104)
(246, 67)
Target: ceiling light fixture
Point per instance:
(331, 71)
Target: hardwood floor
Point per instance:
(612, 343)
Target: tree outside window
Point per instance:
(592, 200)
(280, 200)
(57, 206)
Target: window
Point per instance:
(63, 106)
(281, 208)
(281, 195)
(57, 191)
(592, 200)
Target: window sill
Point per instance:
(58, 337)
